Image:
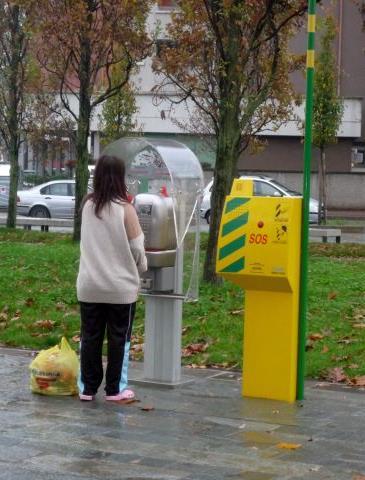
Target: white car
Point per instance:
(263, 187)
(4, 184)
(54, 199)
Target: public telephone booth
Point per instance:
(165, 181)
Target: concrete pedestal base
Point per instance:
(162, 349)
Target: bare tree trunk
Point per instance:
(82, 175)
(227, 154)
(324, 169)
(14, 98)
(228, 143)
(14, 179)
(83, 129)
(322, 191)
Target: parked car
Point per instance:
(4, 184)
(54, 199)
(264, 187)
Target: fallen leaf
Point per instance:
(347, 340)
(289, 446)
(137, 339)
(236, 312)
(29, 302)
(194, 348)
(316, 336)
(358, 477)
(60, 306)
(332, 295)
(358, 325)
(76, 338)
(45, 324)
(353, 366)
(3, 317)
(359, 315)
(147, 408)
(358, 381)
(127, 401)
(325, 349)
(137, 347)
(3, 325)
(341, 358)
(186, 329)
(337, 375)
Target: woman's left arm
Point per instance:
(135, 237)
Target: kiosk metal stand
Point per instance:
(163, 326)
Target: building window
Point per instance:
(358, 157)
(163, 43)
(166, 4)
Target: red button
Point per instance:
(260, 224)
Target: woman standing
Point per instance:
(112, 257)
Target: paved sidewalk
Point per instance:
(204, 431)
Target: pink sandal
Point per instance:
(86, 398)
(126, 394)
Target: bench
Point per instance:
(44, 223)
(325, 234)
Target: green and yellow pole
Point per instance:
(306, 195)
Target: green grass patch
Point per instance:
(38, 304)
(345, 222)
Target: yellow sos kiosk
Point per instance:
(259, 250)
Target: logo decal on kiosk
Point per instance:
(258, 238)
(281, 213)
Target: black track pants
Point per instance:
(117, 320)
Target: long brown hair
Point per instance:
(109, 182)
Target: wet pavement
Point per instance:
(202, 431)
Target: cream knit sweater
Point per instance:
(112, 255)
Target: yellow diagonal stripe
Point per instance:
(227, 217)
(311, 23)
(310, 58)
(237, 254)
(232, 236)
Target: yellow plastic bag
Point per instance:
(54, 371)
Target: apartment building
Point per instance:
(284, 146)
(283, 155)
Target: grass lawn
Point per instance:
(38, 305)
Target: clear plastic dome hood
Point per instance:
(165, 167)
